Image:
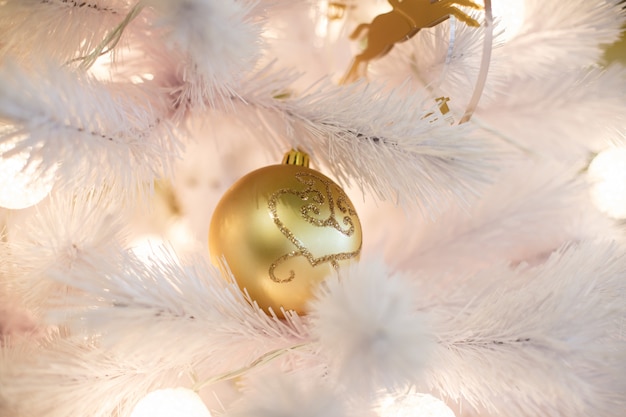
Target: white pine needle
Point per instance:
(65, 378)
(561, 35)
(77, 27)
(368, 328)
(70, 232)
(90, 132)
(531, 211)
(492, 318)
(185, 314)
(535, 341)
(388, 145)
(568, 114)
(216, 41)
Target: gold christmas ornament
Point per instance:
(281, 230)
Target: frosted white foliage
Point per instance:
(182, 313)
(544, 340)
(399, 149)
(218, 40)
(287, 395)
(103, 133)
(368, 327)
(78, 27)
(62, 378)
(218, 35)
(568, 114)
(184, 86)
(560, 35)
(69, 232)
(533, 210)
(502, 288)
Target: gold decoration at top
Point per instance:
(294, 157)
(402, 23)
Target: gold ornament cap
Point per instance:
(282, 230)
(294, 157)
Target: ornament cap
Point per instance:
(295, 157)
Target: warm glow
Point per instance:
(171, 402)
(144, 246)
(413, 404)
(21, 185)
(510, 16)
(153, 248)
(607, 173)
(101, 69)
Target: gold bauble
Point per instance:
(281, 230)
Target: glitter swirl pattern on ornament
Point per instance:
(318, 199)
(281, 230)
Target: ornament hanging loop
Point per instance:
(484, 64)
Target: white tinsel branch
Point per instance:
(535, 208)
(184, 314)
(90, 133)
(557, 36)
(78, 27)
(397, 148)
(568, 114)
(79, 232)
(544, 340)
(369, 330)
(206, 47)
(65, 378)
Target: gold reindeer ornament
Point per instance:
(400, 24)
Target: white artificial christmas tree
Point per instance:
(492, 274)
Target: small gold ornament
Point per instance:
(281, 230)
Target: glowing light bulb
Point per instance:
(153, 250)
(607, 173)
(171, 402)
(22, 184)
(144, 246)
(413, 404)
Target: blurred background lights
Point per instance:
(607, 173)
(148, 248)
(22, 184)
(510, 17)
(413, 404)
(171, 402)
